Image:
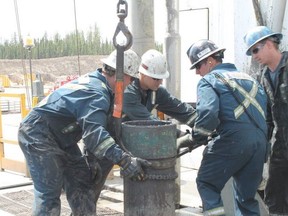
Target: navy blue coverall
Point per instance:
(139, 103)
(276, 191)
(240, 148)
(49, 137)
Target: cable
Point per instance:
(22, 55)
(77, 38)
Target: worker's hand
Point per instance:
(185, 141)
(132, 167)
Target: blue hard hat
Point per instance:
(258, 34)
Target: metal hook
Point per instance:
(121, 27)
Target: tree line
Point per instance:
(72, 44)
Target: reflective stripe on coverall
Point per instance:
(53, 156)
(239, 150)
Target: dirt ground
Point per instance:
(50, 69)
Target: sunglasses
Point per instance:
(198, 66)
(109, 70)
(258, 48)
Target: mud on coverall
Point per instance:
(276, 191)
(49, 144)
(139, 103)
(239, 150)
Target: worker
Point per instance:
(146, 93)
(233, 104)
(49, 137)
(263, 45)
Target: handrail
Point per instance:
(21, 96)
(5, 163)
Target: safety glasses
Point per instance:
(156, 79)
(258, 48)
(108, 69)
(198, 66)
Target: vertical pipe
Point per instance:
(154, 141)
(284, 43)
(273, 11)
(142, 25)
(172, 50)
(30, 69)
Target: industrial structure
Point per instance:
(186, 21)
(223, 21)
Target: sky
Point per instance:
(57, 16)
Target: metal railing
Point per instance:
(10, 106)
(18, 105)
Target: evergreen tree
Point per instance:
(71, 44)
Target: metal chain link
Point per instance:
(169, 176)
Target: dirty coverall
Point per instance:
(48, 137)
(239, 149)
(276, 191)
(138, 105)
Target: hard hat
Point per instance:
(258, 34)
(153, 64)
(202, 49)
(131, 62)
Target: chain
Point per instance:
(119, 85)
(160, 165)
(162, 177)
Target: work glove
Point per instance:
(185, 141)
(132, 167)
(181, 133)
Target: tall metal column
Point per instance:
(284, 31)
(142, 28)
(172, 50)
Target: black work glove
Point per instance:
(132, 167)
(185, 141)
(181, 133)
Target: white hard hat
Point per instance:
(131, 62)
(154, 64)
